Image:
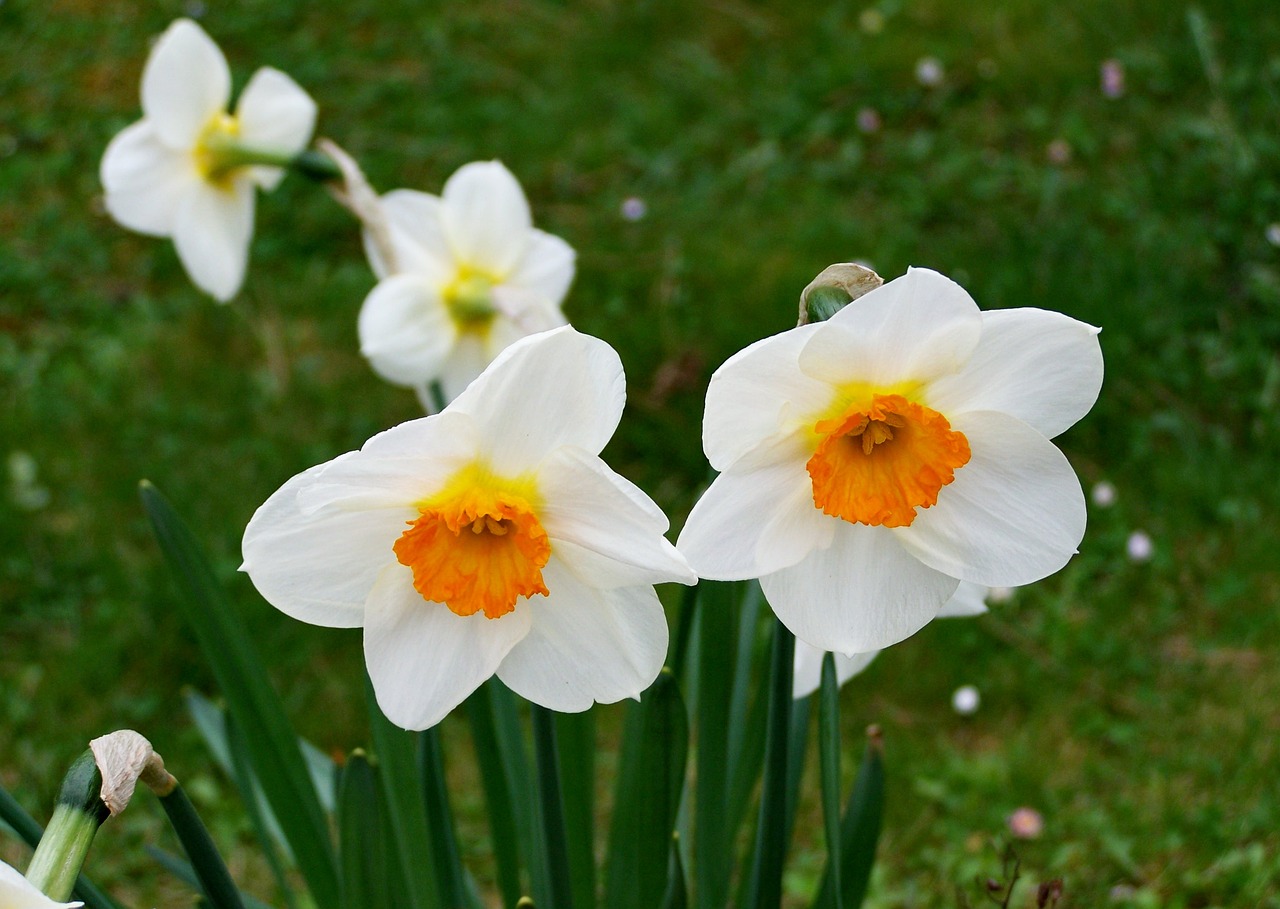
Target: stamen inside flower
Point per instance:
(476, 547)
(217, 151)
(469, 297)
(879, 462)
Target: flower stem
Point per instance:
(77, 816)
(551, 802)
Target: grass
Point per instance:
(1132, 704)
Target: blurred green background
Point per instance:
(1116, 162)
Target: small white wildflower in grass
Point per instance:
(633, 209)
(1111, 78)
(1103, 494)
(965, 700)
(1025, 823)
(868, 120)
(472, 274)
(870, 463)
(808, 659)
(1273, 234)
(487, 539)
(929, 72)
(180, 171)
(1139, 547)
(16, 892)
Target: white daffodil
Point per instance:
(188, 169)
(471, 275)
(16, 892)
(872, 462)
(489, 538)
(967, 601)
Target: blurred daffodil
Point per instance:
(189, 168)
(967, 601)
(489, 538)
(470, 275)
(872, 462)
(16, 892)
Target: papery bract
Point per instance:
(872, 462)
(471, 275)
(807, 668)
(16, 892)
(180, 171)
(489, 538)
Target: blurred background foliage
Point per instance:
(1116, 162)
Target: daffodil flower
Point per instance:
(489, 538)
(872, 462)
(16, 892)
(188, 169)
(967, 601)
(471, 275)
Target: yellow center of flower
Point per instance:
(469, 297)
(880, 460)
(216, 150)
(477, 546)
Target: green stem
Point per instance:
(765, 890)
(829, 758)
(444, 844)
(215, 880)
(552, 804)
(77, 816)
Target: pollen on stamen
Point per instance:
(878, 463)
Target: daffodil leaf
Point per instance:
(677, 895)
(717, 609)
(366, 883)
(554, 840)
(859, 831)
(829, 764)
(452, 877)
(271, 741)
(496, 778)
(575, 733)
(649, 787)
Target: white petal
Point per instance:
(212, 231)
(396, 468)
(415, 221)
(912, 329)
(759, 394)
(754, 523)
(423, 658)
(16, 892)
(864, 592)
(1042, 367)
(586, 646)
(464, 364)
(405, 330)
(487, 217)
(275, 115)
(1014, 514)
(551, 389)
(145, 180)
(968, 600)
(318, 565)
(184, 84)
(808, 668)
(588, 510)
(545, 269)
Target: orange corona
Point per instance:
(477, 548)
(880, 461)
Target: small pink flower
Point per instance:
(1103, 494)
(1111, 78)
(634, 208)
(1139, 546)
(929, 72)
(869, 120)
(1025, 823)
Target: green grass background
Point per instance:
(1133, 705)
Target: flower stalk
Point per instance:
(79, 813)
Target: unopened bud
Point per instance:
(835, 288)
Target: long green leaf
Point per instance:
(551, 805)
(575, 734)
(397, 754)
(362, 851)
(454, 893)
(829, 764)
(271, 741)
(717, 614)
(266, 828)
(859, 831)
(26, 827)
(677, 895)
(650, 781)
(495, 778)
(764, 888)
